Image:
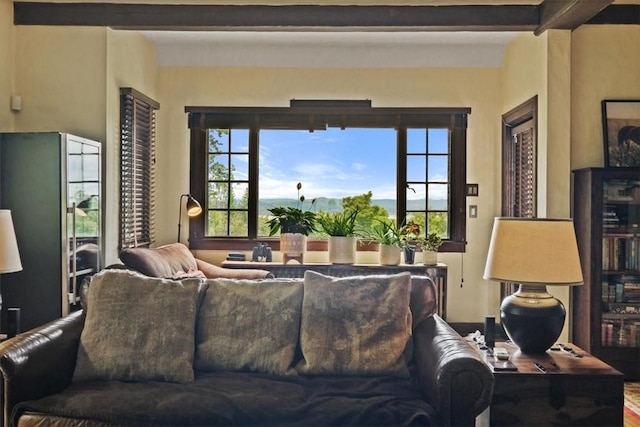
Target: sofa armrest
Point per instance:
(451, 373)
(39, 362)
(213, 272)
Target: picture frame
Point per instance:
(621, 132)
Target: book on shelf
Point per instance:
(620, 333)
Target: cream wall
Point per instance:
(475, 88)
(69, 79)
(7, 53)
(60, 74)
(606, 65)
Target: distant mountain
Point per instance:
(327, 204)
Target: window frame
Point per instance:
(311, 118)
(137, 160)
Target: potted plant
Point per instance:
(294, 225)
(411, 240)
(389, 236)
(430, 245)
(341, 228)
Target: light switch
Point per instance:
(473, 211)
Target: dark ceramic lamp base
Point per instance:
(532, 318)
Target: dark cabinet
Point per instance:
(51, 182)
(606, 309)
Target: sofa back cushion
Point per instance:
(424, 299)
(355, 325)
(138, 328)
(172, 260)
(249, 325)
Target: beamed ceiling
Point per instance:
(417, 16)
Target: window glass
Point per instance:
(331, 164)
(228, 182)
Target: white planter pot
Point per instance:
(342, 249)
(430, 257)
(292, 245)
(389, 255)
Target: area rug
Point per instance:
(632, 404)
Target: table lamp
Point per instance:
(535, 253)
(193, 209)
(9, 255)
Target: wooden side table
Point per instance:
(566, 390)
(437, 273)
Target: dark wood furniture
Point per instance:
(582, 391)
(606, 309)
(438, 273)
(51, 182)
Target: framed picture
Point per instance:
(621, 129)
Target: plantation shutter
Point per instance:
(523, 176)
(137, 168)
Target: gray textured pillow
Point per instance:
(138, 328)
(355, 325)
(249, 325)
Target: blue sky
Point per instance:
(338, 163)
(331, 163)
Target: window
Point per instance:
(245, 160)
(137, 162)
(519, 161)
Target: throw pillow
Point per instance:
(138, 328)
(249, 325)
(163, 261)
(355, 325)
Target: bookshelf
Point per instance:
(606, 310)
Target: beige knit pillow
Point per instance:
(355, 325)
(249, 325)
(138, 328)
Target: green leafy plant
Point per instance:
(292, 219)
(431, 243)
(339, 223)
(386, 232)
(411, 235)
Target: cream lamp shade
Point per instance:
(534, 251)
(9, 255)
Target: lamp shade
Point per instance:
(534, 251)
(193, 206)
(9, 255)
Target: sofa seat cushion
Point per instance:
(243, 398)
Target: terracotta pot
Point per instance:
(342, 249)
(389, 255)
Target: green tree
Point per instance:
(368, 212)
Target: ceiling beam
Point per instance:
(293, 17)
(568, 14)
(628, 14)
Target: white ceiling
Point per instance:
(330, 49)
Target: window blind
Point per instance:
(137, 168)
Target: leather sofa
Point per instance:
(174, 260)
(404, 366)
